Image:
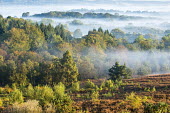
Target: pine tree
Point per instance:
(70, 71)
(63, 34)
(100, 30)
(65, 70)
(118, 72)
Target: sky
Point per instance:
(28, 2)
(73, 0)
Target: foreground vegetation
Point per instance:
(144, 95)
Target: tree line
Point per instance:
(72, 14)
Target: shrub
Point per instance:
(14, 87)
(108, 85)
(119, 82)
(31, 106)
(49, 108)
(94, 95)
(16, 96)
(29, 92)
(75, 87)
(90, 86)
(62, 102)
(156, 108)
(47, 93)
(1, 90)
(107, 95)
(86, 96)
(44, 93)
(78, 96)
(153, 89)
(38, 92)
(147, 89)
(59, 90)
(135, 101)
(1, 102)
(7, 89)
(63, 105)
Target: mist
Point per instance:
(158, 14)
(140, 62)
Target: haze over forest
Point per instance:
(152, 19)
(84, 56)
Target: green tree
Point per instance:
(166, 41)
(29, 92)
(20, 77)
(36, 38)
(77, 33)
(62, 101)
(17, 40)
(118, 33)
(118, 72)
(65, 70)
(70, 71)
(100, 30)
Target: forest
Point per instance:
(44, 68)
(31, 44)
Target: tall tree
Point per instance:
(66, 69)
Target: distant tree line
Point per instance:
(58, 14)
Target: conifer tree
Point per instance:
(70, 71)
(100, 30)
(65, 70)
(118, 72)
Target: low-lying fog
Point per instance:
(160, 19)
(90, 24)
(155, 62)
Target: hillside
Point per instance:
(155, 87)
